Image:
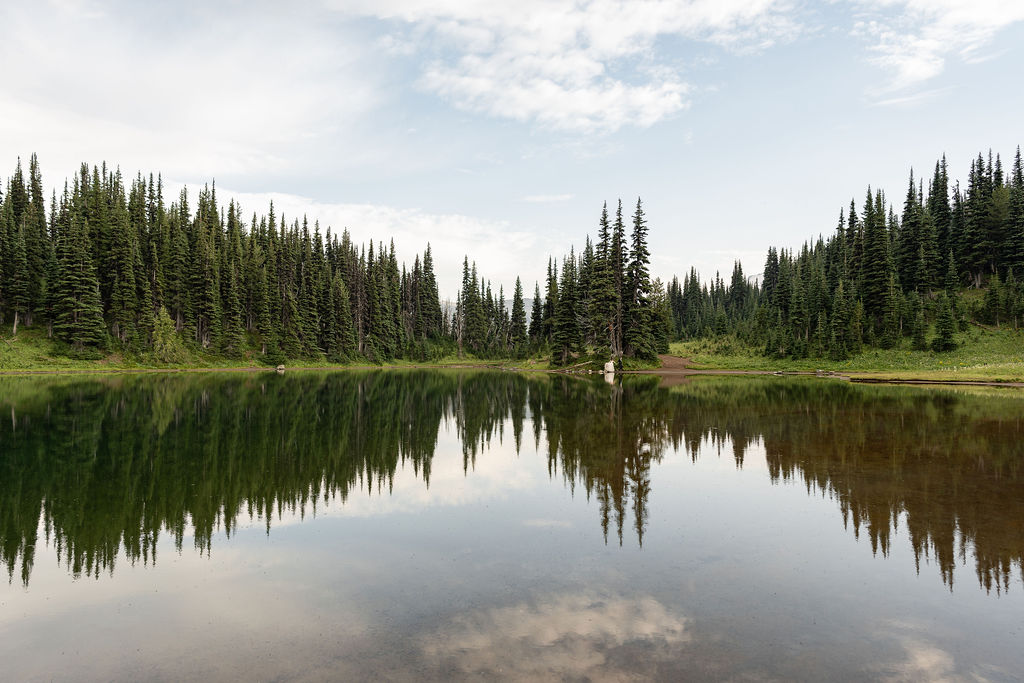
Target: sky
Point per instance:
(497, 129)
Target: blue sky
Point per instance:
(497, 129)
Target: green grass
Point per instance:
(982, 354)
(32, 351)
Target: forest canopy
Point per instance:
(112, 266)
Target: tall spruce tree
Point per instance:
(566, 335)
(78, 311)
(517, 324)
(637, 333)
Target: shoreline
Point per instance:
(674, 369)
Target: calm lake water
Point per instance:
(417, 525)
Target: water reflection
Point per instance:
(101, 466)
(577, 637)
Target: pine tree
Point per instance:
(1010, 299)
(603, 301)
(536, 317)
(993, 300)
(517, 324)
(840, 324)
(918, 325)
(910, 240)
(430, 305)
(341, 343)
(822, 332)
(945, 326)
(618, 258)
(17, 287)
(167, 346)
(123, 299)
(566, 334)
(890, 330)
(1015, 219)
(877, 267)
(550, 303)
(637, 330)
(78, 314)
(661, 319)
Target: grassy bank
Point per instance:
(32, 351)
(982, 354)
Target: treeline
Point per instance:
(113, 267)
(884, 277)
(600, 301)
(110, 266)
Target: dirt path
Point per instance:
(673, 362)
(676, 365)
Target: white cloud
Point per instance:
(584, 66)
(912, 99)
(912, 39)
(497, 247)
(200, 89)
(547, 198)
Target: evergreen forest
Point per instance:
(112, 266)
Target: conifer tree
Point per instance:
(603, 302)
(1015, 217)
(123, 295)
(617, 258)
(877, 266)
(566, 336)
(917, 321)
(78, 312)
(17, 286)
(993, 300)
(167, 346)
(536, 317)
(550, 302)
(430, 305)
(840, 324)
(341, 342)
(890, 330)
(661, 318)
(945, 326)
(637, 331)
(517, 324)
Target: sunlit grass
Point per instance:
(980, 354)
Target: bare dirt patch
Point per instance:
(673, 362)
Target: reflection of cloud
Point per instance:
(923, 660)
(548, 523)
(573, 636)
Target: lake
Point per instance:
(438, 525)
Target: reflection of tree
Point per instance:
(102, 465)
(948, 464)
(109, 462)
(606, 438)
